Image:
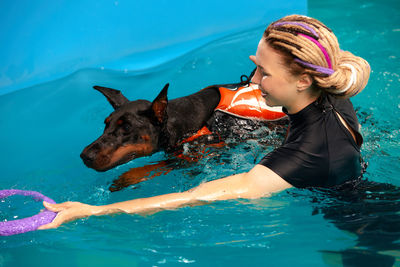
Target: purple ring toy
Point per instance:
(30, 223)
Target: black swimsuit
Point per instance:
(319, 151)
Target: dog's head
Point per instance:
(131, 131)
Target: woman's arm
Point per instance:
(258, 182)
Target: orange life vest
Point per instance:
(247, 102)
(244, 102)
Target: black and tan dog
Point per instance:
(140, 128)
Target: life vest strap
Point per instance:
(201, 132)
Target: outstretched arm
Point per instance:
(258, 182)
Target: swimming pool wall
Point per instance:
(45, 40)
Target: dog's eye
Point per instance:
(126, 127)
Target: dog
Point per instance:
(140, 128)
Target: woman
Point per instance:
(300, 67)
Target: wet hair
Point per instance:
(308, 46)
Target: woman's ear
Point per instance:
(304, 82)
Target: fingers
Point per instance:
(54, 224)
(63, 215)
(56, 207)
(59, 219)
(66, 212)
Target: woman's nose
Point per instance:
(256, 77)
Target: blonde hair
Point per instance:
(308, 46)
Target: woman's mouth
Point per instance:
(263, 94)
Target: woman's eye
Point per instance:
(264, 74)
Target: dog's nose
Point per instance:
(96, 157)
(89, 154)
(87, 158)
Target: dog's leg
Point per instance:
(178, 160)
(140, 174)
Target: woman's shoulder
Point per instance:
(345, 108)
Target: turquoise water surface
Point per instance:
(45, 127)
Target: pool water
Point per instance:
(45, 127)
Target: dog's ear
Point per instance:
(115, 97)
(159, 105)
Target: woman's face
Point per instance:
(277, 85)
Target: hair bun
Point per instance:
(350, 77)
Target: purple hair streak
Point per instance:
(328, 60)
(321, 69)
(305, 26)
(315, 67)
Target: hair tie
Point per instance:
(353, 78)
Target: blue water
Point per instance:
(45, 127)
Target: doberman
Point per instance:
(140, 128)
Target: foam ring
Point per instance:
(30, 223)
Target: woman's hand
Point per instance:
(68, 211)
